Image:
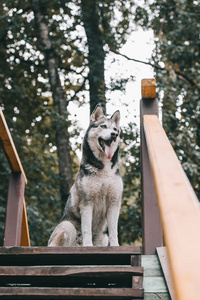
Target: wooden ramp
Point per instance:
(71, 273)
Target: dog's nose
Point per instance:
(114, 134)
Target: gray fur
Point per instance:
(95, 198)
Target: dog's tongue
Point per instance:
(109, 152)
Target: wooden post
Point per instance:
(14, 193)
(15, 201)
(25, 238)
(152, 232)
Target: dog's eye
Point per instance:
(115, 129)
(103, 126)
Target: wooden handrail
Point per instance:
(179, 210)
(9, 147)
(16, 227)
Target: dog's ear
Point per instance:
(97, 113)
(116, 117)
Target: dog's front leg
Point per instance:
(86, 225)
(112, 219)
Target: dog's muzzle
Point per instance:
(106, 145)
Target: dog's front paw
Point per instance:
(114, 243)
(87, 243)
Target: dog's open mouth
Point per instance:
(106, 146)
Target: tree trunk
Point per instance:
(96, 55)
(60, 104)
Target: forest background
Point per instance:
(53, 53)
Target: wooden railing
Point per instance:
(16, 225)
(177, 202)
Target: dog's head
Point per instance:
(103, 136)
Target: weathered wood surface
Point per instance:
(16, 167)
(135, 260)
(64, 273)
(156, 296)
(71, 293)
(179, 209)
(14, 211)
(151, 266)
(154, 284)
(68, 255)
(25, 238)
(151, 225)
(137, 282)
(97, 271)
(153, 280)
(122, 250)
(164, 262)
(9, 147)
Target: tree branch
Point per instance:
(178, 73)
(137, 60)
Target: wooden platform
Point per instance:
(71, 273)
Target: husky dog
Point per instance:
(93, 206)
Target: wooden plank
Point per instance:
(153, 280)
(156, 296)
(25, 238)
(136, 260)
(9, 147)
(148, 88)
(69, 255)
(164, 261)
(73, 293)
(151, 266)
(151, 228)
(137, 282)
(119, 250)
(179, 209)
(154, 285)
(71, 271)
(14, 210)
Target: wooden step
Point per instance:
(66, 293)
(109, 276)
(92, 271)
(71, 273)
(70, 256)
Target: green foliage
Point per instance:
(3, 192)
(24, 109)
(130, 224)
(42, 192)
(116, 21)
(178, 47)
(28, 107)
(176, 28)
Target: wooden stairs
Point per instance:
(71, 273)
